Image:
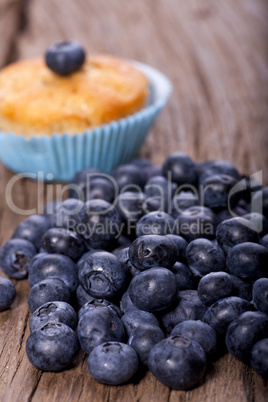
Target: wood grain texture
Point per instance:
(215, 53)
(11, 16)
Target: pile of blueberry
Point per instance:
(169, 266)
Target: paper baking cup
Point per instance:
(59, 156)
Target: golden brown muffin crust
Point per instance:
(35, 101)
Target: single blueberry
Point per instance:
(183, 275)
(154, 289)
(97, 325)
(99, 223)
(199, 332)
(183, 201)
(217, 191)
(129, 178)
(259, 221)
(15, 257)
(99, 303)
(143, 338)
(53, 312)
(197, 222)
(52, 347)
(63, 241)
(204, 257)
(264, 241)
(260, 294)
(64, 58)
(180, 168)
(152, 205)
(178, 362)
(54, 266)
(100, 188)
(180, 246)
(246, 330)
(152, 251)
(103, 275)
(220, 315)
(215, 286)
(261, 198)
(130, 208)
(259, 357)
(234, 231)
(188, 307)
(137, 318)
(32, 229)
(248, 261)
(50, 289)
(159, 189)
(113, 363)
(67, 214)
(7, 293)
(156, 223)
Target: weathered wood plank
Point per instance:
(216, 55)
(10, 17)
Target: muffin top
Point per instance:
(36, 101)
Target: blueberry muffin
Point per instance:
(67, 111)
(36, 101)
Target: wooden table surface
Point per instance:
(215, 53)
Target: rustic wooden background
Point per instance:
(215, 53)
